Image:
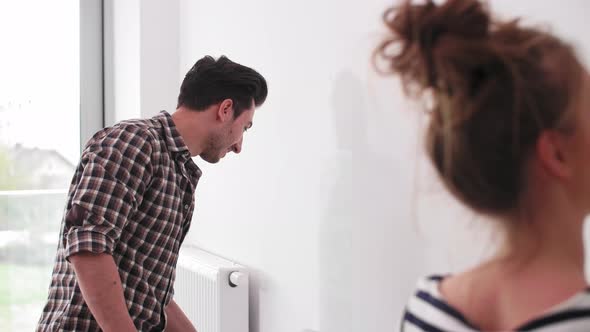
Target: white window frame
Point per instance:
(91, 68)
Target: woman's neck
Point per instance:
(550, 234)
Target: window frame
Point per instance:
(92, 114)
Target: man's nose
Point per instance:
(237, 148)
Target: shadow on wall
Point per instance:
(366, 247)
(260, 286)
(255, 278)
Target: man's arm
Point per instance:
(101, 288)
(176, 319)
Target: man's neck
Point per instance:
(190, 128)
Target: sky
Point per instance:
(39, 75)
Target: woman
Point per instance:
(509, 135)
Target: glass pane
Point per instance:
(39, 146)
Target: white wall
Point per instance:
(331, 203)
(320, 201)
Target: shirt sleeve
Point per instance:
(114, 171)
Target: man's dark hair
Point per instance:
(211, 81)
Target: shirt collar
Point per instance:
(174, 141)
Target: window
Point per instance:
(48, 49)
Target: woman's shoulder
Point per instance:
(429, 308)
(428, 311)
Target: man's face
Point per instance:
(228, 137)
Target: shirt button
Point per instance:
(186, 206)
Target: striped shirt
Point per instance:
(132, 196)
(427, 311)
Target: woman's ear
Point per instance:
(553, 154)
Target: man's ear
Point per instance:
(552, 153)
(225, 112)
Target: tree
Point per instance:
(10, 179)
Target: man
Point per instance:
(131, 202)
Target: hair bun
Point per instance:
(420, 29)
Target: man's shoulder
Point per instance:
(133, 131)
(147, 128)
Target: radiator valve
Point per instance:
(235, 278)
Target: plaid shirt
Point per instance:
(132, 196)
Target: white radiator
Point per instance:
(212, 291)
